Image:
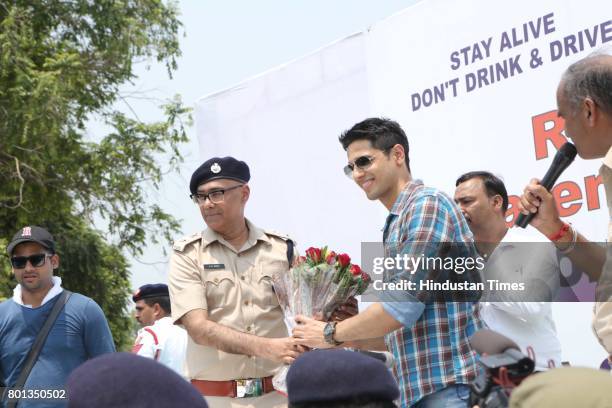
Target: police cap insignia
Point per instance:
(219, 168)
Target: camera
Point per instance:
(503, 371)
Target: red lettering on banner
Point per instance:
(548, 127)
(569, 198)
(591, 186)
(541, 134)
(513, 210)
(565, 193)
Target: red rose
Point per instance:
(314, 254)
(355, 270)
(331, 258)
(365, 277)
(344, 260)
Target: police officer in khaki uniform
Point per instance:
(221, 290)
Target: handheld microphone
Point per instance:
(564, 157)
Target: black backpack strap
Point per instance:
(39, 342)
(290, 246)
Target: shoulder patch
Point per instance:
(284, 237)
(183, 242)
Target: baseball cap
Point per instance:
(32, 233)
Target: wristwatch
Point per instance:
(328, 333)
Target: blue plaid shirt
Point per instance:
(432, 349)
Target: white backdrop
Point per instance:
(285, 122)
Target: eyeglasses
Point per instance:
(36, 260)
(362, 163)
(215, 197)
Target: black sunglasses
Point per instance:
(36, 260)
(362, 163)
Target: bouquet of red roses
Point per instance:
(315, 286)
(318, 283)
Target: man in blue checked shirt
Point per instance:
(426, 330)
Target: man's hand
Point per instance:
(309, 332)
(348, 309)
(587, 256)
(536, 199)
(284, 350)
(212, 334)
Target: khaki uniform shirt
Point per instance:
(235, 287)
(602, 319)
(566, 387)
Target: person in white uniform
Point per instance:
(159, 338)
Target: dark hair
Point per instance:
(353, 403)
(493, 185)
(162, 301)
(591, 77)
(383, 133)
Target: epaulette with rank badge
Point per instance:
(183, 242)
(277, 234)
(290, 244)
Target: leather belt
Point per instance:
(251, 387)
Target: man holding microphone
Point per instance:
(584, 99)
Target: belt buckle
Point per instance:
(250, 387)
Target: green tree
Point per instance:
(62, 64)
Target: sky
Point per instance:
(224, 43)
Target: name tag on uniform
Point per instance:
(214, 267)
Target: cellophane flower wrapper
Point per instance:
(316, 286)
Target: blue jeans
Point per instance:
(453, 396)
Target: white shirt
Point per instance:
(165, 342)
(602, 316)
(529, 323)
(55, 290)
